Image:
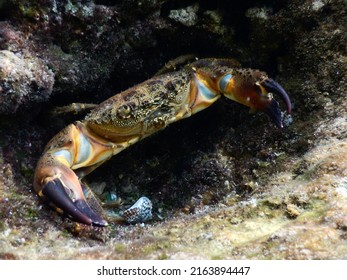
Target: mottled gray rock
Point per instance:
(186, 16)
(23, 80)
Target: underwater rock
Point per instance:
(23, 79)
(260, 13)
(186, 16)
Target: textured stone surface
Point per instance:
(23, 80)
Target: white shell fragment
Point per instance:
(140, 212)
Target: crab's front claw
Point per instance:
(268, 85)
(78, 210)
(272, 86)
(254, 89)
(66, 194)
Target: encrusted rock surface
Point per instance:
(224, 184)
(23, 80)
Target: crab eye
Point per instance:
(124, 111)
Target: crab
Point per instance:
(136, 113)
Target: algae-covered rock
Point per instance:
(224, 184)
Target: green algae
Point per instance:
(120, 248)
(30, 10)
(314, 211)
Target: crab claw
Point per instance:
(268, 85)
(272, 86)
(78, 209)
(60, 186)
(274, 112)
(254, 89)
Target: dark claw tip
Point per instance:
(56, 193)
(272, 86)
(96, 219)
(274, 113)
(79, 210)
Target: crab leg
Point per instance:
(75, 147)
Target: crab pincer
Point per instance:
(65, 194)
(273, 110)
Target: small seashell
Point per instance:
(140, 212)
